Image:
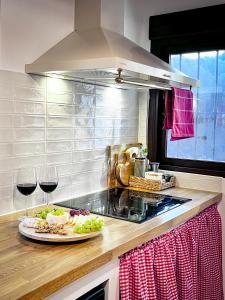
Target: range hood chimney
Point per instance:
(93, 53)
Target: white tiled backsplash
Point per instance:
(143, 98)
(60, 122)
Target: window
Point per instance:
(198, 49)
(209, 107)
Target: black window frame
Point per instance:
(175, 33)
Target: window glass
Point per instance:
(209, 107)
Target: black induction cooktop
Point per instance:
(129, 205)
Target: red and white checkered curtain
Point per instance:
(184, 264)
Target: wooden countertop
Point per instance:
(33, 270)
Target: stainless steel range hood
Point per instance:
(98, 55)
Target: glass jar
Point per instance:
(139, 167)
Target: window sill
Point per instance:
(219, 173)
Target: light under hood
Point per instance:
(101, 56)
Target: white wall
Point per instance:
(137, 13)
(30, 27)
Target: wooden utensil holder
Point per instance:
(149, 184)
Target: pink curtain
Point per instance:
(184, 264)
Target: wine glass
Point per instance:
(26, 183)
(48, 181)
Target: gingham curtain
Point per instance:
(184, 264)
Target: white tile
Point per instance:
(25, 80)
(55, 85)
(104, 132)
(131, 112)
(111, 101)
(142, 116)
(6, 121)
(84, 88)
(28, 121)
(112, 92)
(126, 132)
(84, 122)
(83, 133)
(28, 148)
(37, 81)
(6, 106)
(6, 149)
(127, 140)
(59, 158)
(65, 169)
(84, 111)
(7, 164)
(104, 122)
(6, 192)
(61, 194)
(64, 181)
(26, 93)
(6, 179)
(90, 165)
(66, 98)
(101, 89)
(59, 134)
(57, 121)
(6, 135)
(85, 100)
(33, 134)
(110, 112)
(100, 100)
(23, 107)
(28, 161)
(131, 122)
(143, 123)
(6, 91)
(81, 189)
(64, 146)
(94, 181)
(79, 156)
(84, 145)
(103, 143)
(6, 205)
(59, 109)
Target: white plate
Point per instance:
(49, 237)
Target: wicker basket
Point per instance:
(149, 184)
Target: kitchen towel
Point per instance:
(179, 115)
(184, 264)
(168, 120)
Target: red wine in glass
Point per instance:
(48, 180)
(48, 186)
(26, 183)
(26, 189)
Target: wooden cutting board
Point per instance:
(115, 154)
(124, 170)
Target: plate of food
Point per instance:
(58, 225)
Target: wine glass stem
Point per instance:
(46, 198)
(26, 206)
